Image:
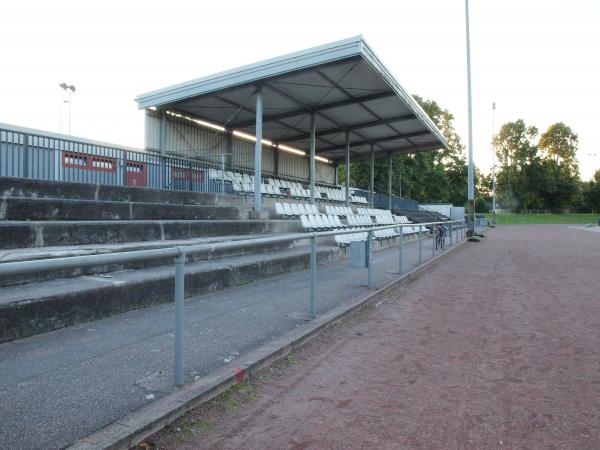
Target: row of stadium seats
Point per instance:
(356, 220)
(320, 222)
(243, 183)
(343, 211)
(295, 209)
(373, 212)
(345, 239)
(359, 199)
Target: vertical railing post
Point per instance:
(400, 255)
(179, 314)
(369, 259)
(26, 156)
(313, 276)
(433, 231)
(124, 167)
(420, 244)
(450, 225)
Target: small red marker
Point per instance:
(239, 373)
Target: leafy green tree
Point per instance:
(591, 194)
(558, 146)
(433, 176)
(520, 166)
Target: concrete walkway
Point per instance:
(496, 348)
(61, 386)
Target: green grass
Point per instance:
(518, 219)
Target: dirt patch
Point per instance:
(499, 347)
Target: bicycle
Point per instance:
(440, 237)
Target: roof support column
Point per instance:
(162, 146)
(312, 167)
(372, 184)
(390, 182)
(229, 148)
(347, 178)
(258, 151)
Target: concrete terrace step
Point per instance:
(27, 188)
(40, 307)
(27, 234)
(16, 255)
(18, 208)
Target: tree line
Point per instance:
(534, 172)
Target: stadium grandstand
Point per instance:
(246, 152)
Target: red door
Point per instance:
(136, 174)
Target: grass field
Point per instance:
(517, 219)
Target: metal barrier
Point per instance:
(25, 153)
(179, 254)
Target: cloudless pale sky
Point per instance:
(537, 59)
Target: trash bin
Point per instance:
(358, 254)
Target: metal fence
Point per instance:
(26, 153)
(454, 230)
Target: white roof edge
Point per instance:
(345, 48)
(66, 137)
(378, 65)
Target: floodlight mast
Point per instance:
(70, 89)
(493, 164)
(471, 187)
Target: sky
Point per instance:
(537, 59)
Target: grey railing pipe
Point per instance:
(179, 315)
(70, 262)
(179, 255)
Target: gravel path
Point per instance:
(508, 357)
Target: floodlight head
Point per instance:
(63, 85)
(72, 88)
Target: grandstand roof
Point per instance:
(343, 83)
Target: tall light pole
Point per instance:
(493, 163)
(471, 182)
(70, 90)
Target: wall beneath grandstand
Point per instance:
(441, 208)
(184, 137)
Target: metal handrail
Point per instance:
(71, 262)
(179, 254)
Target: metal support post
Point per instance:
(313, 276)
(420, 244)
(450, 225)
(163, 151)
(471, 170)
(179, 314)
(369, 259)
(372, 180)
(347, 180)
(124, 168)
(312, 165)
(222, 173)
(258, 151)
(433, 239)
(390, 182)
(26, 157)
(400, 255)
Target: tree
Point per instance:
(558, 146)
(432, 176)
(519, 166)
(591, 193)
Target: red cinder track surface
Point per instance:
(495, 347)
